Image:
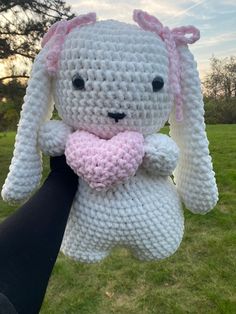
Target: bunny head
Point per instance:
(108, 77)
(112, 77)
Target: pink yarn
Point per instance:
(104, 163)
(172, 38)
(56, 37)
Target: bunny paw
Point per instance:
(52, 137)
(161, 154)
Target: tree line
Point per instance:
(22, 25)
(219, 89)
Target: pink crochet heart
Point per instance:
(104, 163)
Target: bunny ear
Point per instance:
(25, 169)
(193, 176)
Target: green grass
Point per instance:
(199, 278)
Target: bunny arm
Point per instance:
(161, 155)
(52, 137)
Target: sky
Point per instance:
(216, 20)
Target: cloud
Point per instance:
(187, 10)
(104, 9)
(169, 12)
(217, 40)
(122, 10)
(230, 2)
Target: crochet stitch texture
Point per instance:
(125, 195)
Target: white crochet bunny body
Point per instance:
(119, 62)
(106, 85)
(143, 214)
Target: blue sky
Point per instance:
(216, 20)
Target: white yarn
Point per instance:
(118, 63)
(52, 137)
(194, 176)
(144, 214)
(161, 155)
(25, 169)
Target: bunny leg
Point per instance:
(83, 243)
(161, 155)
(82, 249)
(84, 254)
(52, 137)
(160, 237)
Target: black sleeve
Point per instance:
(30, 239)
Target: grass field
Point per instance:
(199, 278)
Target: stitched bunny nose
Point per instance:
(116, 115)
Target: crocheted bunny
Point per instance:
(114, 86)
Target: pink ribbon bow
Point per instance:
(172, 38)
(56, 36)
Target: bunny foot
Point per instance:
(155, 249)
(85, 256)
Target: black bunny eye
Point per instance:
(78, 82)
(157, 83)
